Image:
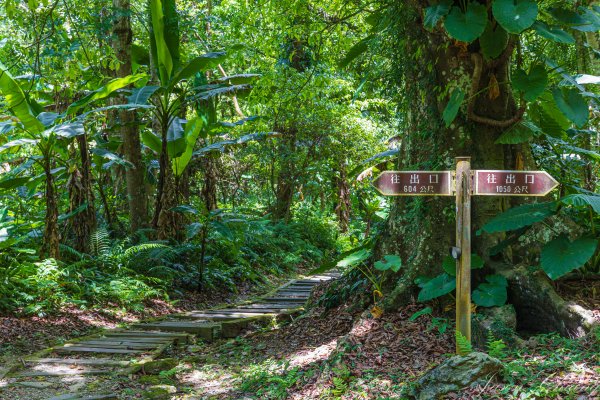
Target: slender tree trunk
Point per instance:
(51, 238)
(343, 207)
(286, 183)
(418, 229)
(132, 148)
(211, 179)
(80, 193)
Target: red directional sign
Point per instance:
(414, 183)
(513, 183)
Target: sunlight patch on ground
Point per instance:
(306, 357)
(210, 380)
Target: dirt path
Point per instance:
(99, 366)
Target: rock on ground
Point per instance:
(457, 373)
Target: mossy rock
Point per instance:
(159, 392)
(156, 366)
(457, 373)
(150, 379)
(501, 322)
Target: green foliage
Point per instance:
(389, 262)
(572, 104)
(519, 217)
(451, 110)
(495, 348)
(515, 15)
(491, 293)
(436, 287)
(463, 345)
(493, 40)
(466, 25)
(434, 13)
(532, 84)
(561, 256)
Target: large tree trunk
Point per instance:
(51, 240)
(419, 228)
(132, 148)
(80, 193)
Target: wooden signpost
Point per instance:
(466, 183)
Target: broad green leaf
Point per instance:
(434, 13)
(139, 56)
(355, 51)
(175, 137)
(588, 21)
(493, 41)
(561, 256)
(436, 287)
(588, 153)
(192, 230)
(354, 258)
(451, 110)
(151, 141)
(17, 143)
(519, 217)
(198, 64)
(580, 199)
(532, 84)
(546, 115)
(191, 133)
(112, 157)
(239, 79)
(17, 103)
(572, 104)
(47, 118)
(69, 130)
(492, 293)
(389, 261)
(11, 183)
(518, 133)
(469, 25)
(104, 92)
(515, 15)
(164, 58)
(142, 95)
(553, 33)
(449, 265)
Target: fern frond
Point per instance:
(100, 242)
(463, 345)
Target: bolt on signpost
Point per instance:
(466, 184)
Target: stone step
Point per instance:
(81, 349)
(292, 293)
(79, 361)
(284, 300)
(119, 345)
(204, 330)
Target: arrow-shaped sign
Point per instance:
(513, 183)
(414, 183)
